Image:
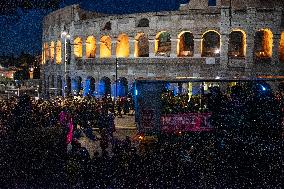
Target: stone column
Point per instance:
(113, 49)
(174, 47)
(84, 49)
(197, 45)
(251, 17)
(131, 47)
(72, 58)
(275, 49)
(98, 48)
(250, 49)
(63, 51)
(224, 50)
(151, 48)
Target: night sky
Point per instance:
(21, 20)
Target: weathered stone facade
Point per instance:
(196, 18)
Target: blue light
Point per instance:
(136, 92)
(263, 88)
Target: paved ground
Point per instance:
(125, 126)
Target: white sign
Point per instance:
(210, 60)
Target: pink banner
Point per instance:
(187, 122)
(70, 131)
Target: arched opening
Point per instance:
(77, 85)
(185, 46)
(52, 50)
(237, 44)
(107, 26)
(144, 22)
(91, 47)
(122, 46)
(59, 86)
(105, 47)
(45, 53)
(211, 44)
(68, 86)
(122, 87)
(89, 86)
(163, 44)
(141, 46)
(104, 87)
(58, 52)
(281, 48)
(78, 48)
(263, 42)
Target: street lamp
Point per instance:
(65, 36)
(116, 66)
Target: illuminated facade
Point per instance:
(241, 38)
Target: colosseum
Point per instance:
(92, 53)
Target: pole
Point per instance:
(116, 62)
(65, 61)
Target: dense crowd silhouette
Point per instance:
(244, 150)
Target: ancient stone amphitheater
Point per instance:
(97, 54)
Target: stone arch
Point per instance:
(89, 88)
(263, 42)
(78, 47)
(77, 85)
(281, 48)
(122, 87)
(104, 87)
(58, 52)
(107, 26)
(45, 53)
(237, 44)
(105, 47)
(141, 45)
(144, 22)
(163, 44)
(91, 47)
(52, 51)
(122, 46)
(211, 44)
(185, 46)
(59, 85)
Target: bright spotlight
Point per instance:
(217, 51)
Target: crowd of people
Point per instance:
(243, 151)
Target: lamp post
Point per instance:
(116, 66)
(66, 36)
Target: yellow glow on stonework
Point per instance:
(157, 41)
(141, 46)
(58, 52)
(78, 48)
(181, 44)
(105, 47)
(45, 55)
(267, 43)
(281, 48)
(244, 47)
(122, 46)
(136, 46)
(202, 40)
(91, 47)
(52, 50)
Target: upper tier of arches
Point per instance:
(184, 45)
